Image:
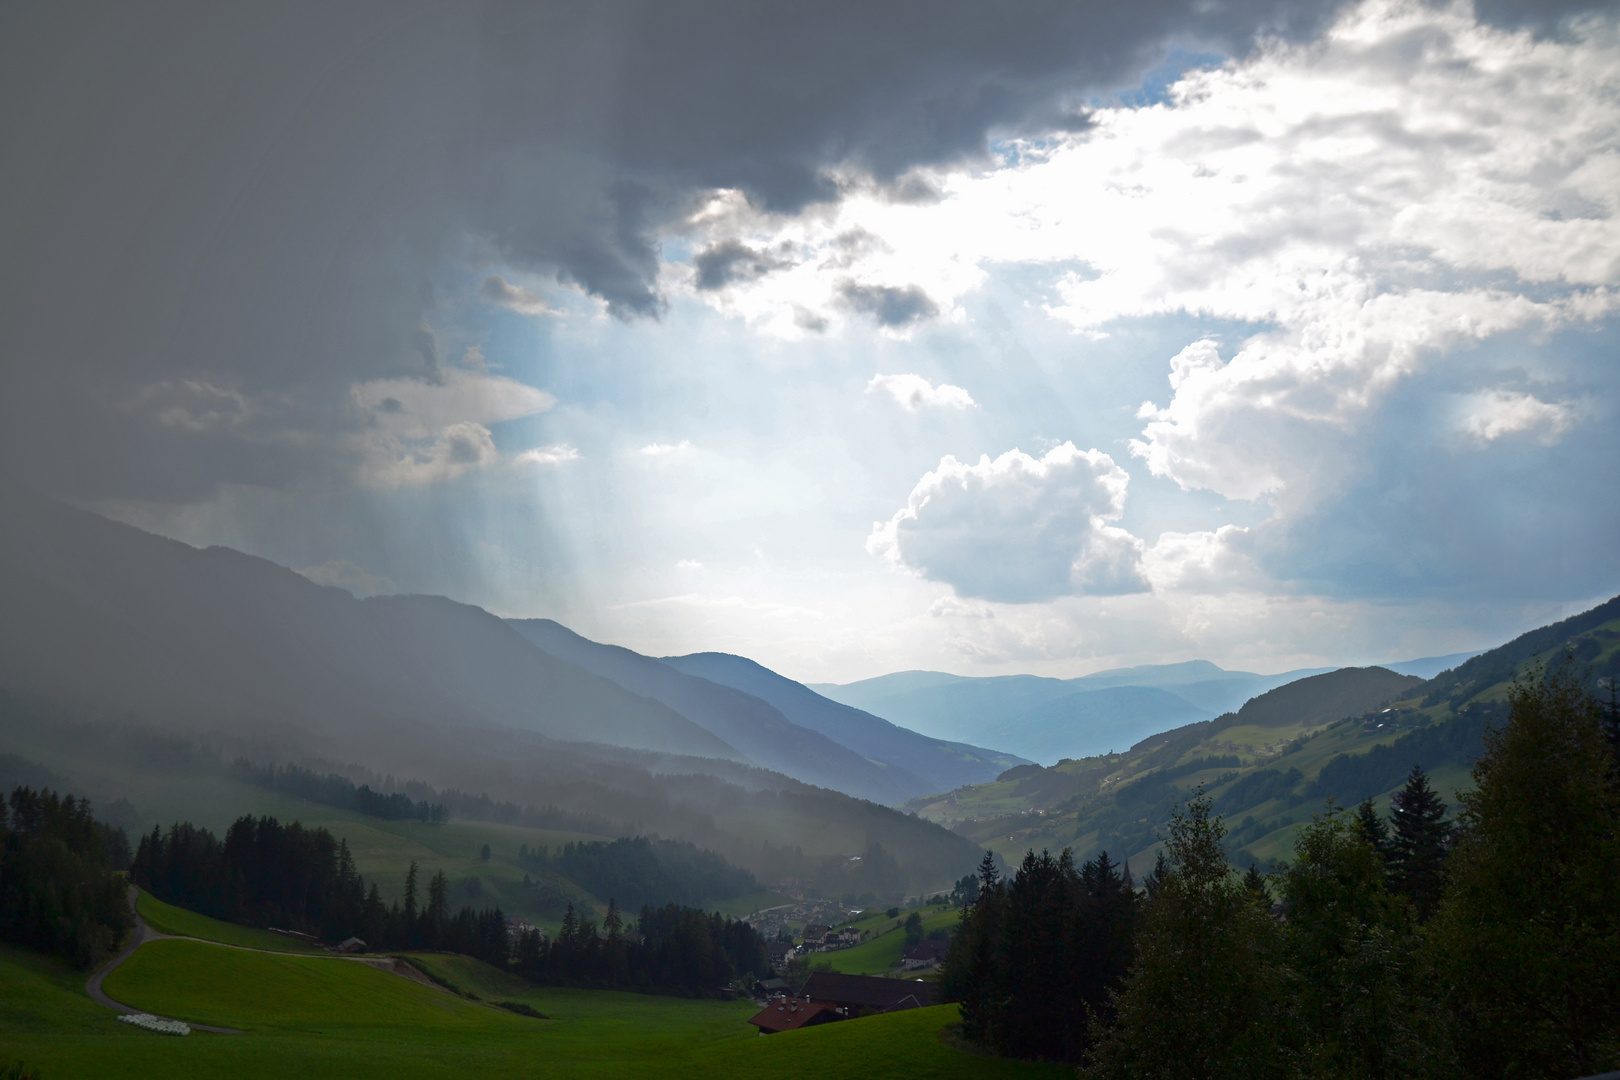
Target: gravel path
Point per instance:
(143, 933)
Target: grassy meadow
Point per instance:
(319, 1017)
(881, 953)
(168, 919)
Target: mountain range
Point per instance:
(1051, 719)
(1333, 738)
(107, 620)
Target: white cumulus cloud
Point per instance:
(558, 454)
(1213, 561)
(1410, 184)
(657, 449)
(1018, 529)
(913, 393)
(1493, 414)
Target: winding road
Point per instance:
(142, 934)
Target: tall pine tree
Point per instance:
(1373, 828)
(1419, 841)
(972, 973)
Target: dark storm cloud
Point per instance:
(889, 305)
(252, 196)
(731, 260)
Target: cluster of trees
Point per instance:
(266, 873)
(646, 871)
(676, 950)
(1414, 947)
(334, 790)
(1038, 954)
(59, 889)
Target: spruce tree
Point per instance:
(1103, 940)
(1373, 828)
(1419, 842)
(972, 972)
(1255, 882)
(410, 893)
(1529, 932)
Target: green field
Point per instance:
(881, 954)
(168, 919)
(314, 1017)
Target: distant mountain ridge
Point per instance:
(1046, 719)
(108, 620)
(941, 763)
(1344, 735)
(753, 726)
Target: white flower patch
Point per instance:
(152, 1023)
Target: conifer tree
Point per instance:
(437, 912)
(1373, 827)
(410, 893)
(1529, 932)
(1103, 936)
(1419, 842)
(1255, 882)
(971, 972)
(1161, 868)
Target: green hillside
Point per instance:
(328, 1017)
(1345, 735)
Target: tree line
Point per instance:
(642, 870)
(59, 887)
(676, 949)
(287, 876)
(1409, 947)
(334, 790)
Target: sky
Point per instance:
(850, 337)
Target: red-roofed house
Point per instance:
(791, 1014)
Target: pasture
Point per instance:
(317, 1016)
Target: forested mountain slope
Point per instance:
(1345, 735)
(941, 764)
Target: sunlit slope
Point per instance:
(1344, 736)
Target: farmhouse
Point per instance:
(863, 995)
(790, 1014)
(925, 954)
